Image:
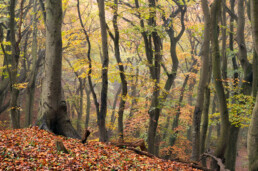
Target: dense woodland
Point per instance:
(180, 75)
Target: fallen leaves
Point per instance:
(34, 149)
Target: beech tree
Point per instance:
(252, 133)
(203, 82)
(54, 109)
(216, 69)
(14, 69)
(101, 114)
(116, 39)
(153, 51)
(34, 71)
(135, 63)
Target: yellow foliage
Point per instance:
(20, 85)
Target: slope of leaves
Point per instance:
(34, 149)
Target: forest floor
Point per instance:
(34, 149)
(242, 160)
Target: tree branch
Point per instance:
(219, 161)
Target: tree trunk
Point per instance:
(134, 94)
(255, 74)
(252, 139)
(205, 122)
(247, 67)
(252, 143)
(208, 144)
(14, 111)
(154, 111)
(224, 47)
(113, 117)
(157, 145)
(4, 84)
(53, 108)
(231, 151)
(154, 61)
(255, 60)
(79, 119)
(122, 74)
(222, 143)
(205, 112)
(34, 71)
(208, 141)
(87, 120)
(103, 136)
(100, 115)
(203, 81)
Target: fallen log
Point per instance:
(141, 152)
(139, 143)
(132, 147)
(218, 160)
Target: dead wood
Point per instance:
(139, 143)
(132, 147)
(85, 136)
(218, 160)
(191, 163)
(141, 152)
(60, 147)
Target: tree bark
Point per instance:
(158, 102)
(152, 42)
(154, 110)
(231, 151)
(203, 81)
(33, 74)
(116, 39)
(252, 143)
(4, 84)
(252, 139)
(14, 111)
(255, 75)
(113, 117)
(103, 136)
(53, 107)
(102, 129)
(134, 93)
(88, 107)
(81, 88)
(247, 67)
(79, 119)
(255, 56)
(205, 122)
(222, 143)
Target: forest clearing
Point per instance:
(129, 85)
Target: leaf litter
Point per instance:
(34, 149)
